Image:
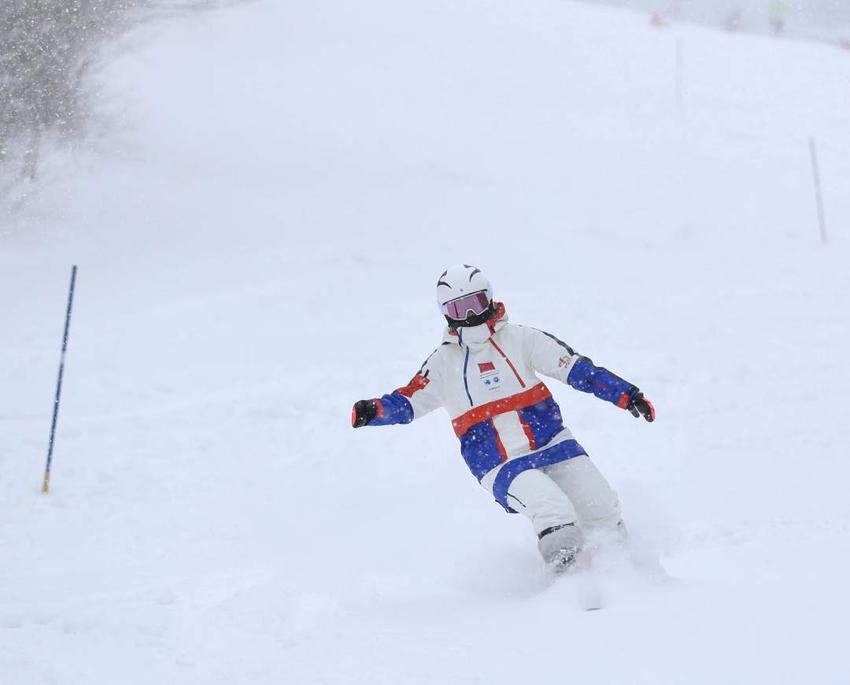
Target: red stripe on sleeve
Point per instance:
(418, 382)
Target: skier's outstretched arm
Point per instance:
(554, 358)
(402, 405)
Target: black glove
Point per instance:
(640, 406)
(363, 412)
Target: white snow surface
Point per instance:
(258, 241)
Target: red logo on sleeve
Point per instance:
(418, 382)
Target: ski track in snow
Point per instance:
(256, 251)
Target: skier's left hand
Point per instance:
(640, 406)
(363, 412)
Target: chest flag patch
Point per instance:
(486, 367)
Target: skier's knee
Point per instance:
(602, 513)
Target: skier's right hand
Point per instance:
(363, 412)
(640, 406)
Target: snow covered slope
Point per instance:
(257, 247)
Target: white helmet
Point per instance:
(465, 296)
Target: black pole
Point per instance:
(45, 487)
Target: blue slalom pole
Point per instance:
(45, 487)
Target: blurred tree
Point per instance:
(47, 48)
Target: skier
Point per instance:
(511, 433)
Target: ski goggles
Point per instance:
(473, 304)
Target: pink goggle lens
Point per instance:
(472, 304)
